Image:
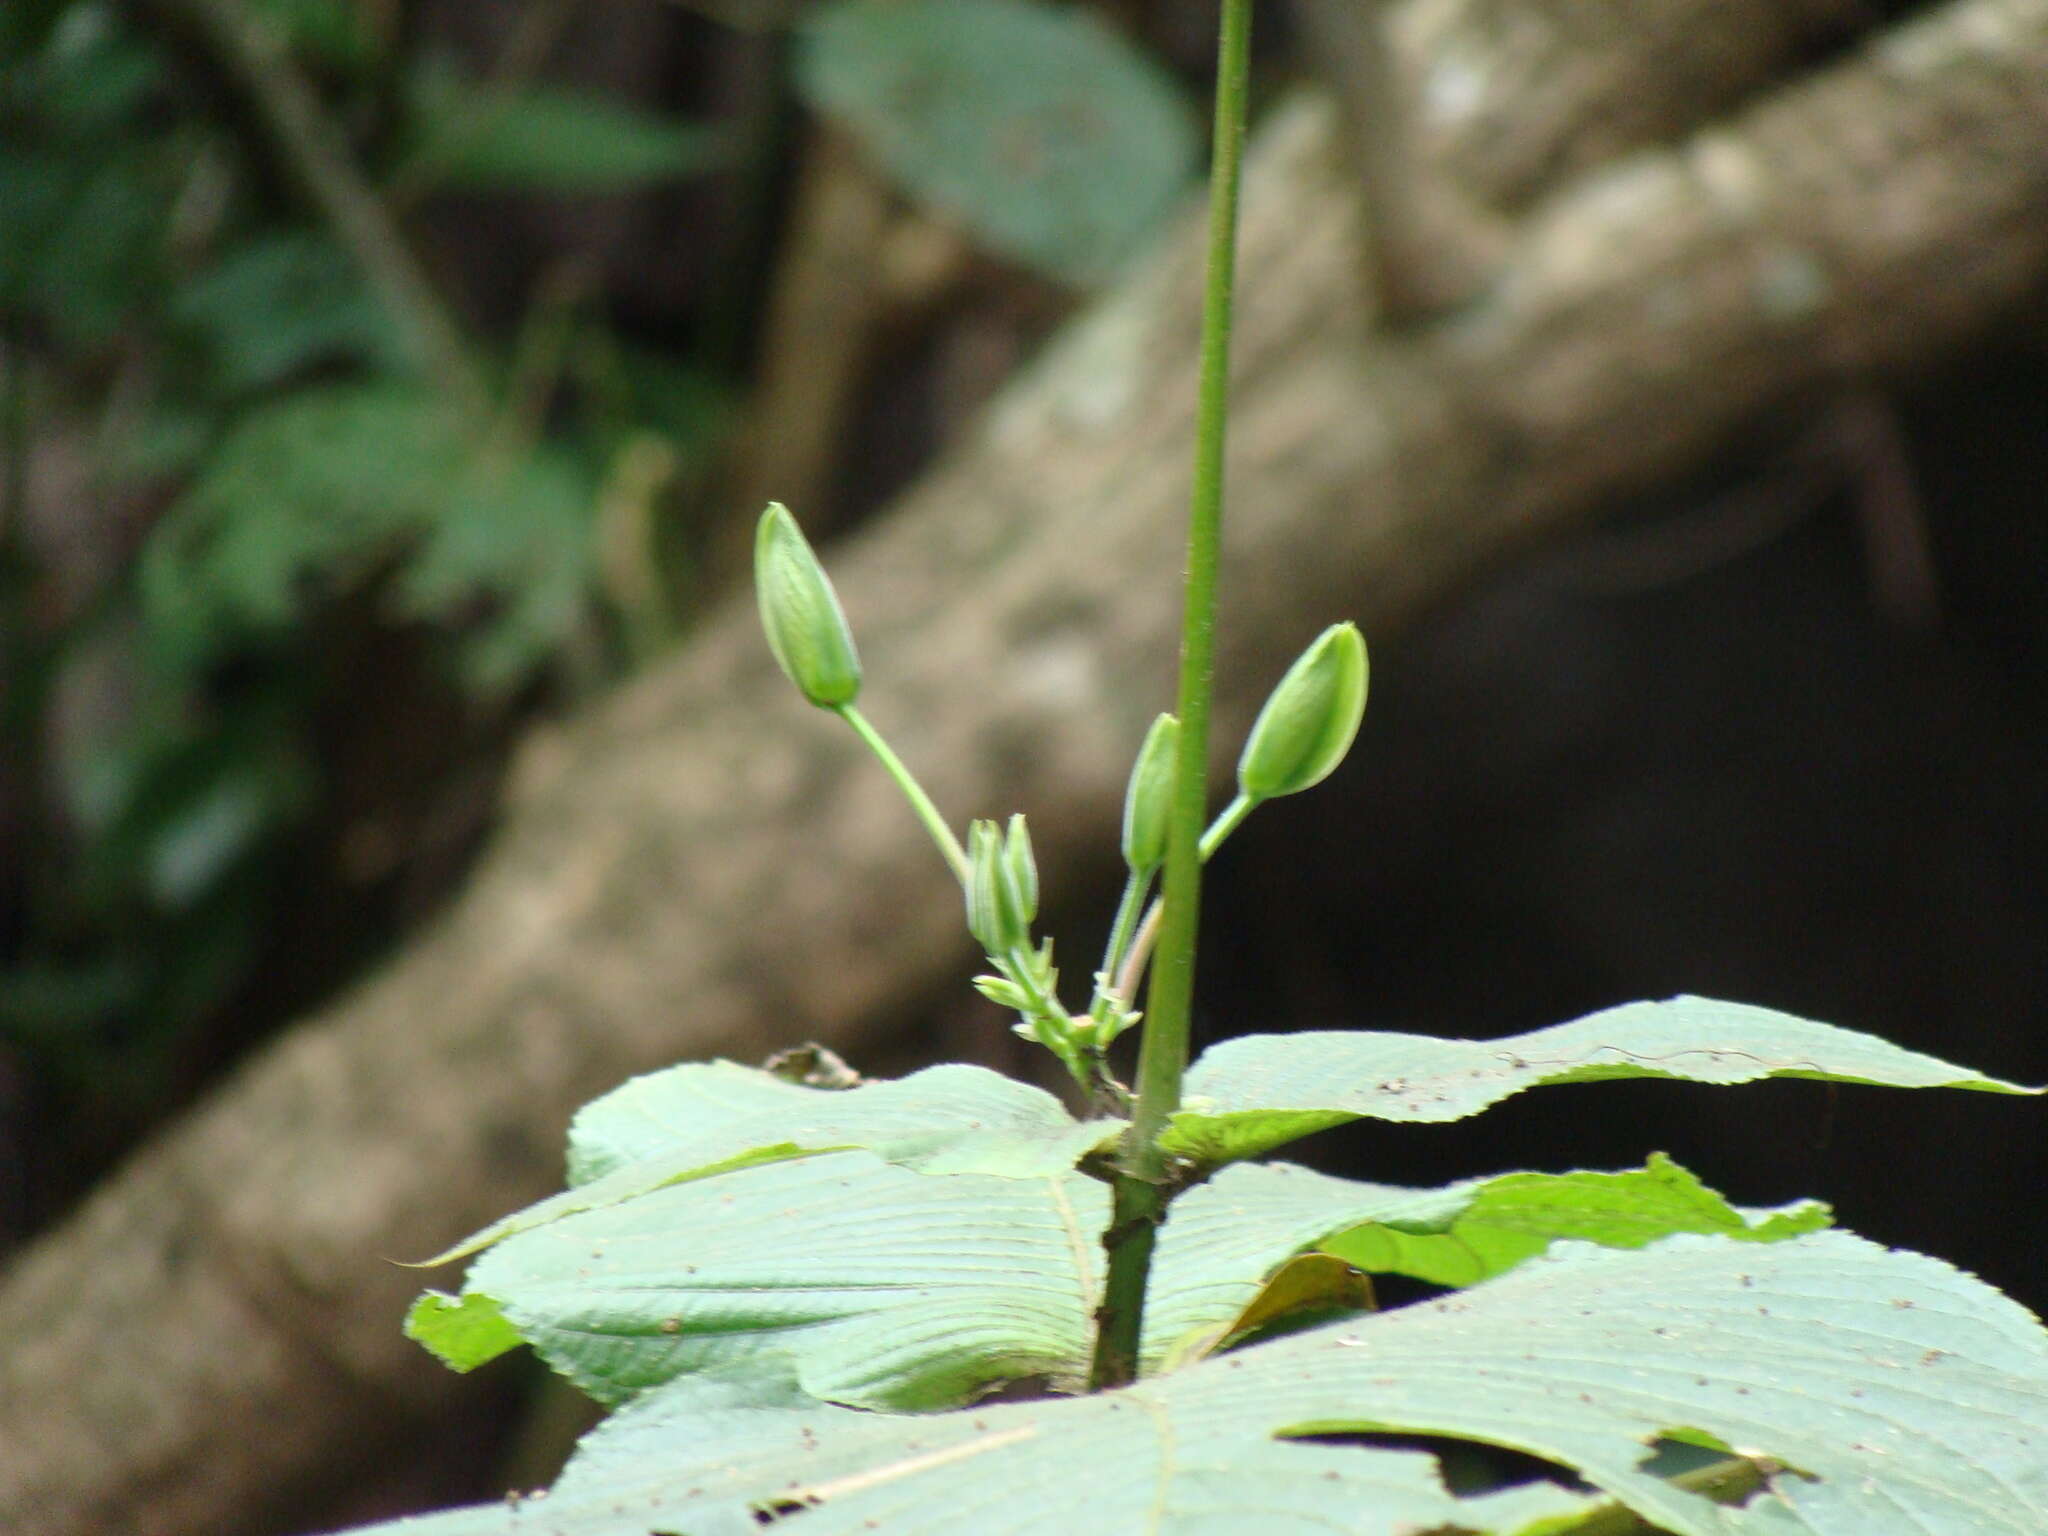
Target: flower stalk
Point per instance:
(1140, 1191)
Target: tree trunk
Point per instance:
(703, 866)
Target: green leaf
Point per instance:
(325, 487)
(550, 138)
(88, 234)
(1252, 1094)
(1049, 136)
(334, 32)
(702, 1119)
(462, 1332)
(279, 304)
(888, 1287)
(1899, 1396)
(1518, 1215)
(659, 1113)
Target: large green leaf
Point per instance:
(885, 1287)
(1258, 1092)
(701, 1119)
(1047, 134)
(1899, 1396)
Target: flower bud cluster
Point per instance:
(1301, 735)
(1002, 900)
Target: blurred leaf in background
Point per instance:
(1055, 141)
(230, 507)
(545, 138)
(332, 485)
(273, 601)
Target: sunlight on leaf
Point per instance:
(1258, 1092)
(1910, 1397)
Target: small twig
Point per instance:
(1898, 554)
(539, 353)
(319, 155)
(1126, 984)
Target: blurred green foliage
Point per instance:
(262, 465)
(259, 544)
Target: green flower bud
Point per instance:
(992, 914)
(1020, 874)
(807, 631)
(1309, 721)
(1003, 993)
(1148, 799)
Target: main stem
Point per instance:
(1141, 1188)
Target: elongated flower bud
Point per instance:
(1310, 720)
(991, 910)
(806, 628)
(1148, 799)
(1020, 875)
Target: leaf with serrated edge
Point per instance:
(1257, 1092)
(674, 1126)
(1911, 1399)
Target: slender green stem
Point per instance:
(1232, 818)
(1042, 998)
(920, 802)
(1141, 1191)
(1125, 928)
(1132, 964)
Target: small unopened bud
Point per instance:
(806, 628)
(1003, 993)
(1148, 799)
(1020, 874)
(992, 914)
(1310, 720)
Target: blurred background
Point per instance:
(382, 381)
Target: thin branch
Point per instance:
(318, 153)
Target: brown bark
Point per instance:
(1508, 95)
(704, 866)
(1458, 112)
